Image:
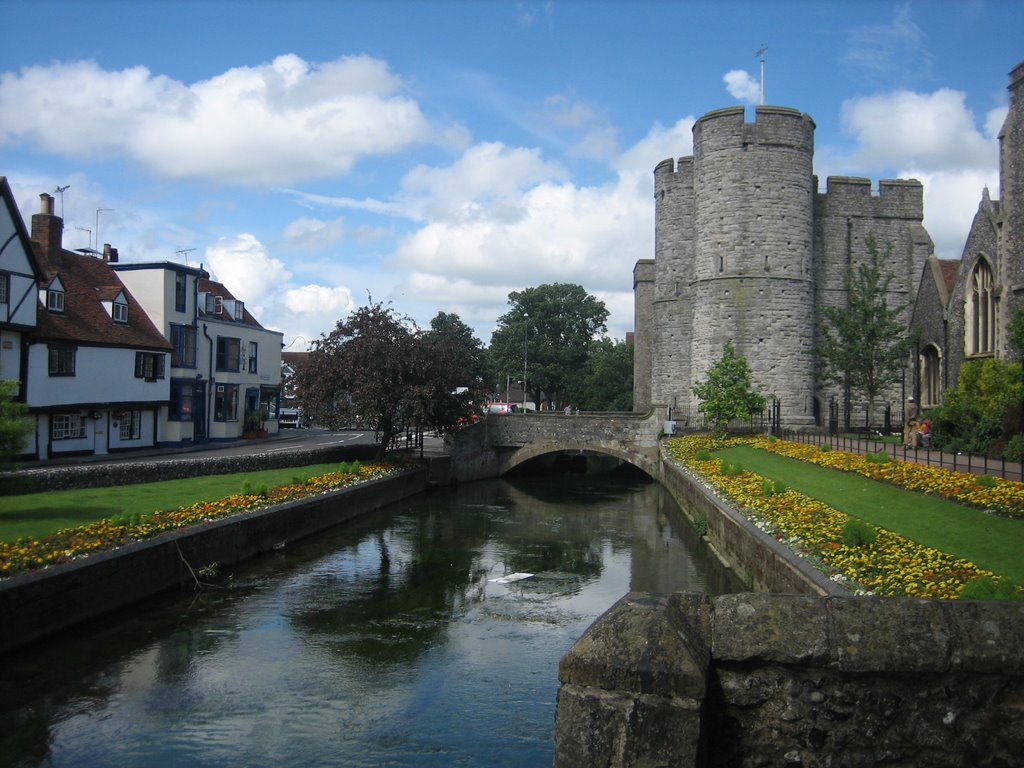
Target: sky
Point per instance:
(316, 156)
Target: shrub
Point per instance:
(857, 533)
(729, 469)
(1014, 450)
(701, 525)
(989, 588)
(251, 489)
(704, 455)
(352, 467)
(826, 447)
(878, 458)
(985, 481)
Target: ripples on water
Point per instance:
(382, 643)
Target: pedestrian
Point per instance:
(924, 431)
(568, 410)
(909, 421)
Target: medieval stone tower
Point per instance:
(747, 249)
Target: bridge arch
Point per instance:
(502, 442)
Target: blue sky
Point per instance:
(438, 155)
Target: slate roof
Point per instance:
(88, 282)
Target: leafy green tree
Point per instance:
(447, 382)
(14, 424)
(728, 392)
(974, 415)
(547, 331)
(864, 345)
(608, 381)
(359, 372)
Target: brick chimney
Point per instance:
(109, 254)
(47, 229)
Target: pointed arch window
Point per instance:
(931, 380)
(981, 311)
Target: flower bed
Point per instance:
(890, 565)
(73, 543)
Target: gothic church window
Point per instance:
(981, 312)
(931, 381)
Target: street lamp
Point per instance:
(526, 333)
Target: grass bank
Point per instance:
(990, 541)
(38, 514)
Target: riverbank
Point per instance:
(38, 603)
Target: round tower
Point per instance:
(752, 262)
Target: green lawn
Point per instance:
(994, 543)
(37, 514)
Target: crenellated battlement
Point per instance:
(773, 126)
(853, 196)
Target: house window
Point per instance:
(253, 357)
(931, 380)
(55, 300)
(5, 288)
(225, 403)
(181, 400)
(184, 339)
(62, 360)
(180, 291)
(130, 425)
(228, 352)
(149, 365)
(981, 312)
(120, 312)
(67, 426)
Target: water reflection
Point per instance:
(387, 642)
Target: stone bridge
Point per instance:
(501, 442)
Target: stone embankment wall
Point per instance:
(760, 561)
(794, 680)
(40, 603)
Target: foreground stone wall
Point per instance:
(773, 680)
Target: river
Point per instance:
(395, 640)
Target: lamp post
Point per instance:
(526, 333)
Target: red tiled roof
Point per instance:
(219, 289)
(88, 282)
(949, 268)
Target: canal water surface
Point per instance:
(396, 640)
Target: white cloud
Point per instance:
(311, 234)
(270, 124)
(742, 85)
(934, 131)
(951, 199)
(243, 264)
(891, 53)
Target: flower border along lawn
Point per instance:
(921, 544)
(111, 532)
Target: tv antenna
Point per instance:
(86, 229)
(184, 252)
(761, 55)
(60, 191)
(98, 212)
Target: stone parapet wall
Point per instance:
(772, 679)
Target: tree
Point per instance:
(864, 345)
(608, 381)
(728, 392)
(447, 374)
(548, 332)
(359, 372)
(975, 414)
(14, 426)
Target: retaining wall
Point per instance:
(794, 680)
(759, 560)
(40, 603)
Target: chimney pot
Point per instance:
(46, 204)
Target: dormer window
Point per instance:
(235, 309)
(55, 296)
(211, 303)
(119, 309)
